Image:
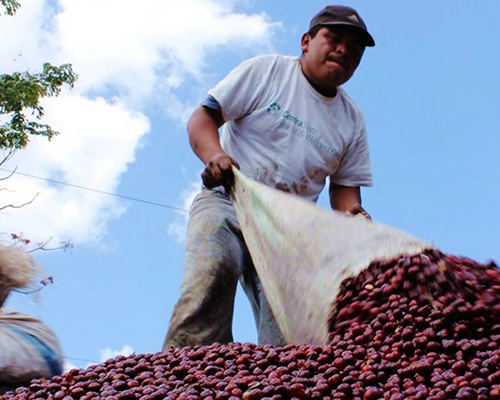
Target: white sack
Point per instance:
(28, 349)
(302, 253)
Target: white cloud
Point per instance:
(22, 43)
(107, 353)
(130, 58)
(157, 45)
(67, 366)
(98, 143)
(104, 355)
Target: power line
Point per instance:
(152, 203)
(80, 359)
(95, 191)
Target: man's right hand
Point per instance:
(219, 172)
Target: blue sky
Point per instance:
(428, 90)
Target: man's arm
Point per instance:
(203, 133)
(347, 200)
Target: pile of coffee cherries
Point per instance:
(420, 327)
(417, 327)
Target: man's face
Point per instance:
(331, 57)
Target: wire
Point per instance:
(80, 359)
(95, 191)
(152, 203)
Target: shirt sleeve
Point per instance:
(355, 168)
(211, 103)
(239, 92)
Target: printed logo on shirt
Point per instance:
(304, 130)
(273, 108)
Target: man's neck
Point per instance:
(327, 92)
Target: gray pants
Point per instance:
(216, 258)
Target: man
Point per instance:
(288, 124)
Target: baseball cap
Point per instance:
(342, 15)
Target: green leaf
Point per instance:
(10, 6)
(20, 94)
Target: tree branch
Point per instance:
(10, 153)
(64, 246)
(20, 205)
(8, 176)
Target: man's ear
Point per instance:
(304, 42)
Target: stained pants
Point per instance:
(216, 259)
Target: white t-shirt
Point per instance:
(285, 134)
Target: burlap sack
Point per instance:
(28, 349)
(302, 253)
(17, 269)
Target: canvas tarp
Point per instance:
(302, 253)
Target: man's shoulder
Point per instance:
(272, 60)
(348, 101)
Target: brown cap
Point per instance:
(342, 15)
